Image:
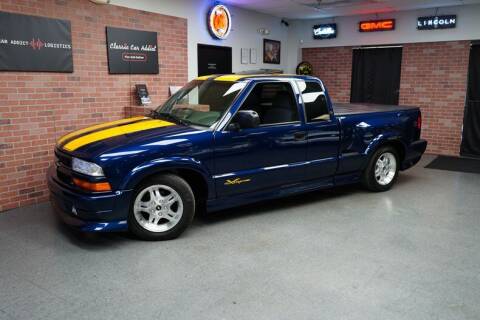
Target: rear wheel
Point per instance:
(382, 170)
(162, 208)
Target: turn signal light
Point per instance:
(92, 186)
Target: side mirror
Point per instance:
(244, 119)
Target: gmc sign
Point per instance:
(376, 25)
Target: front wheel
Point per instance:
(382, 170)
(162, 208)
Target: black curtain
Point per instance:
(471, 120)
(376, 75)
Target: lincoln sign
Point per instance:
(437, 22)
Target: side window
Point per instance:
(273, 101)
(316, 107)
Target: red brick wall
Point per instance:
(334, 67)
(433, 77)
(37, 108)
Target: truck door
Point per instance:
(271, 155)
(323, 132)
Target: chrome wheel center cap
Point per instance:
(385, 168)
(158, 208)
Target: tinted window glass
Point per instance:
(274, 102)
(202, 102)
(315, 101)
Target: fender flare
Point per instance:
(142, 171)
(384, 139)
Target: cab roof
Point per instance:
(238, 77)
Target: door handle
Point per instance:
(299, 136)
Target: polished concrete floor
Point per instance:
(410, 253)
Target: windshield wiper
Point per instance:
(165, 115)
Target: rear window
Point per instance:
(315, 101)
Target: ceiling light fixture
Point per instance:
(263, 31)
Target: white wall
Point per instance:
(299, 35)
(468, 28)
(243, 33)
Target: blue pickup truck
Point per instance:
(224, 141)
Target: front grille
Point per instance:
(63, 162)
(63, 159)
(64, 176)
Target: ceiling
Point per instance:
(308, 9)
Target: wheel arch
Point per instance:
(188, 169)
(393, 141)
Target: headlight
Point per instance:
(88, 168)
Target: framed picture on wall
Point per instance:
(245, 55)
(253, 56)
(271, 51)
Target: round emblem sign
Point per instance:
(219, 21)
(305, 68)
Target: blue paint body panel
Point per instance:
(333, 152)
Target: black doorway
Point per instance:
(471, 119)
(376, 75)
(214, 60)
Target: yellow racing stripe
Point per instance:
(237, 77)
(97, 127)
(114, 132)
(205, 77)
(232, 77)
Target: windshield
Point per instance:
(201, 103)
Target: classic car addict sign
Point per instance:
(132, 51)
(29, 43)
(437, 22)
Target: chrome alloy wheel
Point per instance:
(385, 168)
(158, 208)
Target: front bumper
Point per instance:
(88, 211)
(414, 153)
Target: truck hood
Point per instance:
(98, 139)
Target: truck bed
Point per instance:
(359, 108)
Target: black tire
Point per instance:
(188, 200)
(369, 179)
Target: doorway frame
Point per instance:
(203, 45)
(386, 46)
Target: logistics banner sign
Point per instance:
(30, 43)
(132, 51)
(437, 22)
